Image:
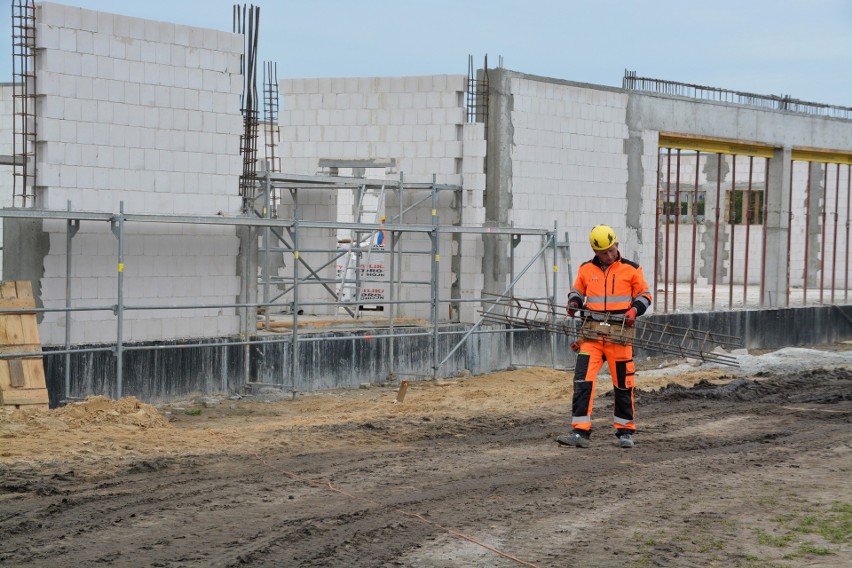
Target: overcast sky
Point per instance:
(801, 48)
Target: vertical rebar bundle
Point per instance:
(271, 129)
(247, 23)
(476, 97)
(24, 89)
(270, 114)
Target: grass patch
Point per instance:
(709, 544)
(767, 500)
(193, 412)
(785, 519)
(643, 540)
(767, 539)
(643, 562)
(835, 526)
(808, 548)
(832, 526)
(756, 562)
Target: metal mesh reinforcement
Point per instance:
(665, 338)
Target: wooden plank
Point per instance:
(22, 380)
(400, 394)
(15, 397)
(9, 290)
(34, 373)
(5, 378)
(29, 331)
(4, 339)
(17, 304)
(11, 329)
(16, 373)
(24, 289)
(20, 348)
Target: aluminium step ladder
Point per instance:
(356, 267)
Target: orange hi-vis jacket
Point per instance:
(616, 289)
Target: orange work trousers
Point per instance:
(590, 359)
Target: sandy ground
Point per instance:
(746, 466)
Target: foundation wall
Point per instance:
(158, 375)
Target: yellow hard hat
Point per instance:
(602, 237)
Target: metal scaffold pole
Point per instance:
(512, 245)
(434, 279)
(117, 225)
(395, 292)
(71, 228)
(267, 214)
(553, 297)
(294, 348)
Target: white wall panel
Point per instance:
(114, 116)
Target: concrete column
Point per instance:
(777, 229)
(634, 147)
(716, 238)
(498, 180)
(26, 245)
(815, 202)
(247, 264)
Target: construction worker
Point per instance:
(608, 289)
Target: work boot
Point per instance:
(625, 440)
(577, 438)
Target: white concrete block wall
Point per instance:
(568, 148)
(419, 267)
(314, 205)
(473, 215)
(160, 268)
(146, 114)
(568, 167)
(417, 121)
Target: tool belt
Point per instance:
(615, 332)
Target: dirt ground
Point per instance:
(732, 467)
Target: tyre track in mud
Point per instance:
(498, 479)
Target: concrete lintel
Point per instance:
(7, 160)
(357, 163)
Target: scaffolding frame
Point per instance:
(249, 334)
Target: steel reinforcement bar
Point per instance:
(533, 313)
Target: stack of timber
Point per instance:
(22, 383)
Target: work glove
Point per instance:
(572, 307)
(575, 346)
(630, 317)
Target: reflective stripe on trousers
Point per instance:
(589, 361)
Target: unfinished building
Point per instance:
(366, 241)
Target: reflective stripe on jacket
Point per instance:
(616, 289)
